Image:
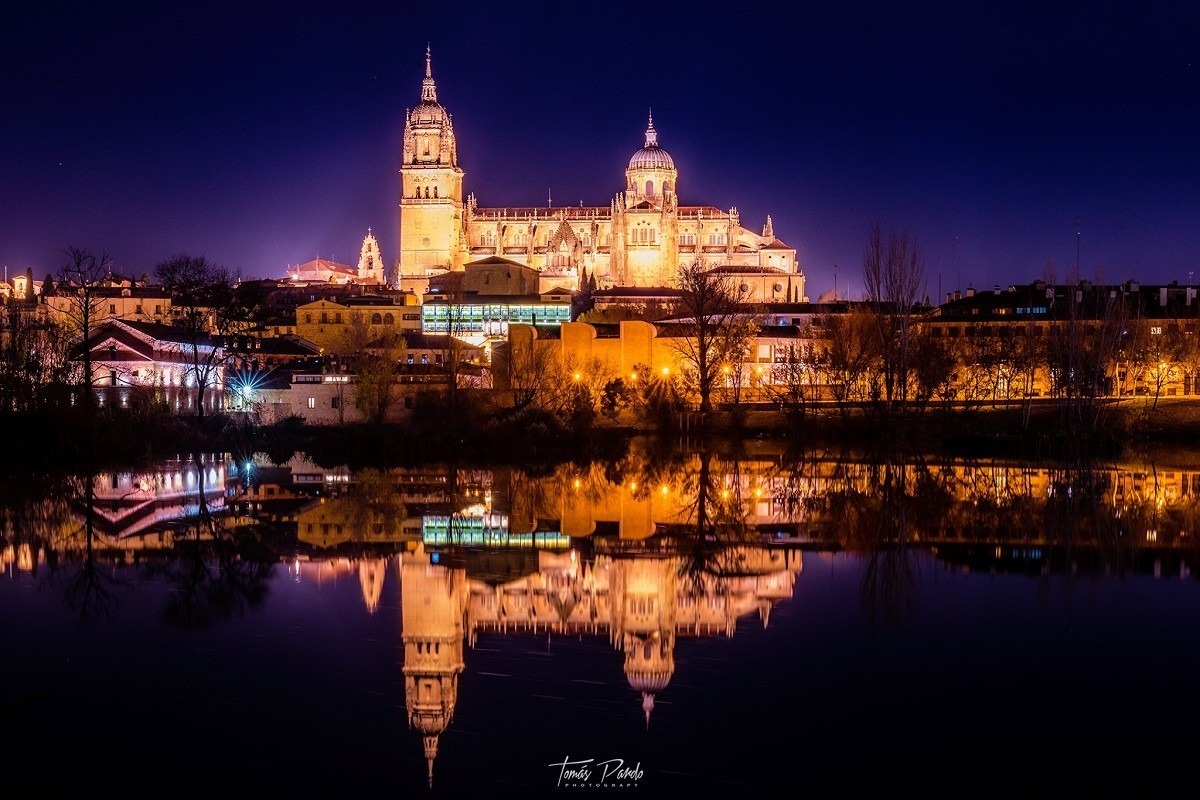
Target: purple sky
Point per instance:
(1002, 139)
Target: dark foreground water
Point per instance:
(989, 679)
(1003, 628)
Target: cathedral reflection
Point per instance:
(640, 603)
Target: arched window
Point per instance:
(426, 192)
(650, 188)
(435, 191)
(388, 319)
(376, 318)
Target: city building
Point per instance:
(337, 324)
(145, 361)
(640, 238)
(124, 301)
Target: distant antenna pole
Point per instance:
(957, 265)
(835, 283)
(549, 204)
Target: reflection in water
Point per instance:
(640, 552)
(636, 601)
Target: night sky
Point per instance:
(1005, 139)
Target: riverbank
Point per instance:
(1041, 430)
(58, 440)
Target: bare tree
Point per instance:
(1154, 350)
(1084, 346)
(714, 329)
(795, 380)
(933, 368)
(894, 275)
(531, 371)
(33, 357)
(80, 279)
(375, 362)
(848, 356)
(203, 298)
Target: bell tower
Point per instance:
(370, 262)
(431, 198)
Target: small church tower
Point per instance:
(370, 262)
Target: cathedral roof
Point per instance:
(775, 244)
(752, 269)
(651, 156)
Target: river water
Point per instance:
(681, 621)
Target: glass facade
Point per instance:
(489, 319)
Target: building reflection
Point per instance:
(114, 515)
(645, 552)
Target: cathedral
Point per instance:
(640, 239)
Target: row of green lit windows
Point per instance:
(432, 525)
(542, 540)
(466, 318)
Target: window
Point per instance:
(112, 308)
(388, 319)
(424, 358)
(312, 402)
(112, 376)
(377, 318)
(337, 318)
(335, 402)
(157, 309)
(138, 309)
(308, 319)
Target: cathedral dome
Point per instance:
(651, 156)
(428, 114)
(648, 681)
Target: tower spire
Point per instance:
(651, 134)
(428, 90)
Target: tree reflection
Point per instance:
(90, 590)
(53, 514)
(212, 581)
(891, 580)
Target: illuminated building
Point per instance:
(134, 361)
(641, 238)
